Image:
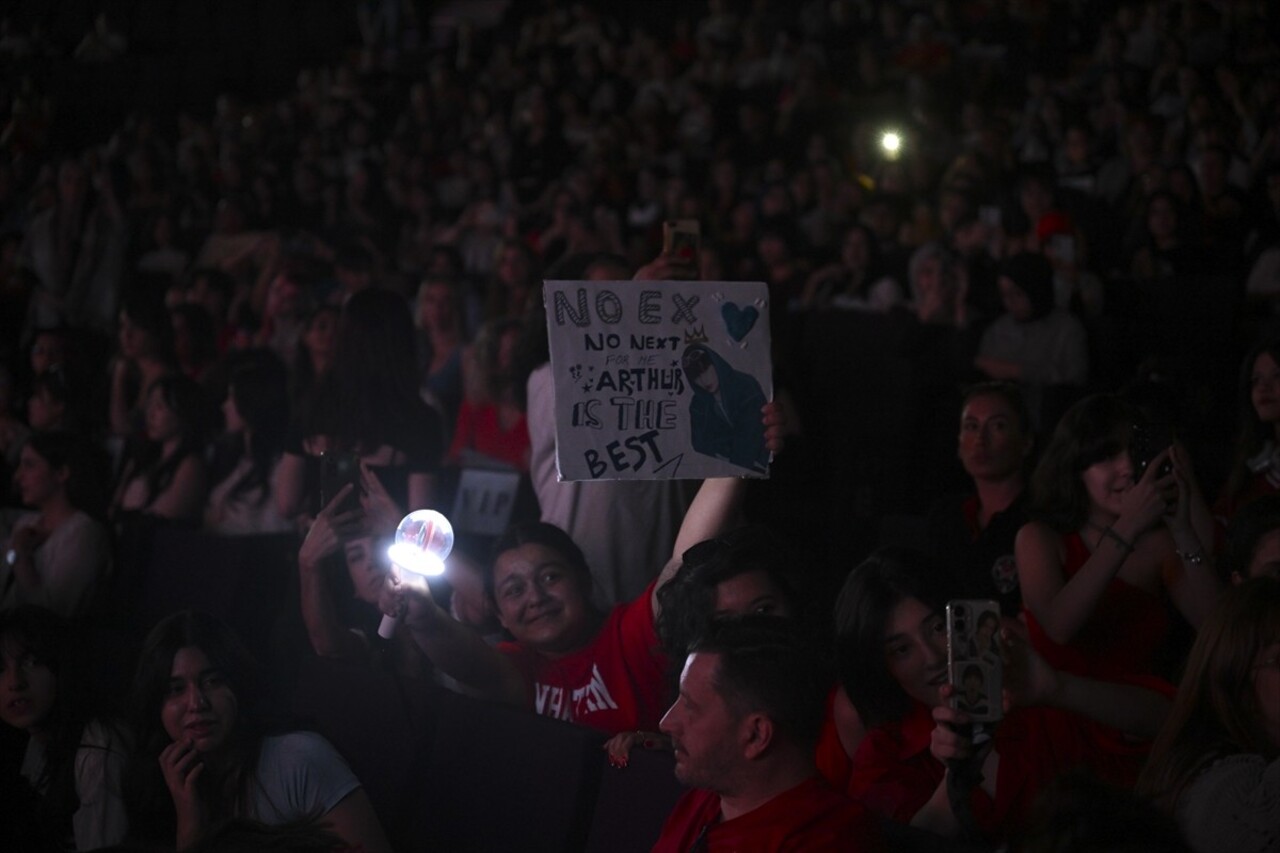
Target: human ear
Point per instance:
(757, 735)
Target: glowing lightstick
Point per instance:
(423, 541)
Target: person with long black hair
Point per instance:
(206, 752)
(256, 412)
(68, 793)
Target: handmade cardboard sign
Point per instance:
(659, 379)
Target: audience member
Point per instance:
(164, 474)
(256, 414)
(744, 727)
(567, 659)
(205, 752)
(1214, 764)
(974, 534)
(58, 556)
(68, 794)
(367, 405)
(892, 654)
(1111, 540)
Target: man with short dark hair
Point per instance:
(744, 728)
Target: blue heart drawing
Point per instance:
(739, 321)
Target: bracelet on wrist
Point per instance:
(1121, 542)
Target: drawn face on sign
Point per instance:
(708, 380)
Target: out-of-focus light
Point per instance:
(891, 142)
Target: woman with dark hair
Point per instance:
(856, 280)
(1112, 540)
(164, 474)
(68, 794)
(368, 406)
(256, 412)
(315, 354)
(891, 650)
(1033, 342)
(1118, 537)
(57, 556)
(146, 354)
(1256, 468)
(1215, 765)
(205, 752)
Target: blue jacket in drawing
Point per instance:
(725, 420)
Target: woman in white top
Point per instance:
(57, 556)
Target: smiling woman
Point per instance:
(205, 753)
(1112, 539)
(566, 659)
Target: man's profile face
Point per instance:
(703, 729)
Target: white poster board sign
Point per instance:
(659, 379)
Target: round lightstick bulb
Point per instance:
(423, 541)
(891, 142)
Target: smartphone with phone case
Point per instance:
(682, 238)
(975, 669)
(1148, 440)
(337, 469)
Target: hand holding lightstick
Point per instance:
(424, 539)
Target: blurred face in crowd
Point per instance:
(321, 336)
(435, 305)
(1264, 389)
(993, 445)
(1266, 684)
(1015, 299)
(541, 599)
(35, 479)
(44, 410)
(702, 726)
(28, 688)
(47, 351)
(135, 341)
(915, 648)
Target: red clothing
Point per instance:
(1122, 637)
(616, 683)
(810, 816)
(895, 774)
(478, 429)
(832, 761)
